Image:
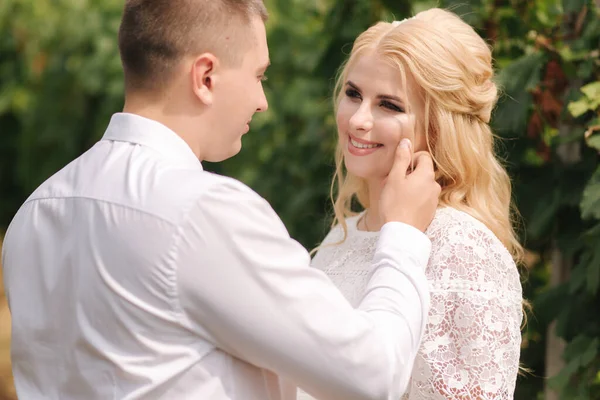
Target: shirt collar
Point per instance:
(132, 128)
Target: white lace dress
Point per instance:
(472, 340)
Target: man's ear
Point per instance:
(203, 77)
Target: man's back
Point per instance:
(133, 274)
(93, 292)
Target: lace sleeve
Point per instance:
(472, 340)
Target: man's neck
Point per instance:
(165, 115)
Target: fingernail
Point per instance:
(405, 143)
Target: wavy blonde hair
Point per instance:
(451, 67)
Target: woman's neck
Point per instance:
(371, 220)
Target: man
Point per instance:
(134, 274)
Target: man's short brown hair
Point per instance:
(155, 34)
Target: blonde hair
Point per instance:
(451, 66)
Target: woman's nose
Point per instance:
(362, 119)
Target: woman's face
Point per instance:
(372, 117)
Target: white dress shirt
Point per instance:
(134, 274)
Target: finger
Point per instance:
(401, 160)
(417, 155)
(415, 160)
(423, 162)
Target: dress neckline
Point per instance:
(353, 226)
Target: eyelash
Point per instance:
(390, 106)
(263, 78)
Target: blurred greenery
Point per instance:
(60, 80)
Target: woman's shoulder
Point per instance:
(447, 218)
(451, 225)
(465, 250)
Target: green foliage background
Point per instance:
(60, 80)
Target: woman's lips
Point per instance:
(360, 147)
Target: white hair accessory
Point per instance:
(396, 23)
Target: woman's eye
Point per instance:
(352, 93)
(391, 106)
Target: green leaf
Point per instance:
(579, 275)
(590, 203)
(592, 90)
(570, 6)
(549, 134)
(531, 157)
(590, 259)
(578, 345)
(550, 303)
(561, 380)
(594, 141)
(523, 74)
(590, 353)
(589, 101)
(516, 81)
(592, 134)
(544, 215)
(579, 107)
(593, 275)
(567, 54)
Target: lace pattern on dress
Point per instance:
(472, 340)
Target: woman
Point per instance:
(432, 75)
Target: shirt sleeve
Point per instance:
(472, 343)
(244, 284)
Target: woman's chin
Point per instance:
(368, 168)
(367, 174)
